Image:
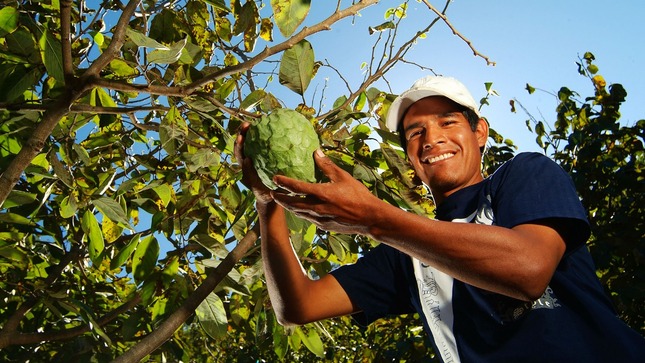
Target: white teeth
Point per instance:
(440, 157)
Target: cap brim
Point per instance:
(403, 102)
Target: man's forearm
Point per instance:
(517, 262)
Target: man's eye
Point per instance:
(414, 134)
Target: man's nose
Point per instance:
(432, 137)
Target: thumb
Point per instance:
(327, 166)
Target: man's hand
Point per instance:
(249, 174)
(343, 205)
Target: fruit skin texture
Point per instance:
(282, 143)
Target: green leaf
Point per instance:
(337, 247)
(143, 41)
(13, 254)
(202, 158)
(172, 130)
(125, 252)
(23, 46)
(8, 20)
(122, 68)
(111, 209)
(289, 14)
(218, 4)
(145, 258)
(18, 198)
(15, 80)
(52, 55)
(280, 339)
(212, 316)
(93, 231)
(164, 191)
(167, 56)
(68, 206)
(246, 19)
(312, 341)
(14, 218)
(297, 67)
(381, 27)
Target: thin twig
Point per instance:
(455, 32)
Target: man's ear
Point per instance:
(482, 132)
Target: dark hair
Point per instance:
(469, 114)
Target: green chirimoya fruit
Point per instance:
(282, 143)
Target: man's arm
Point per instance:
(517, 262)
(296, 298)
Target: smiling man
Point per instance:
(501, 275)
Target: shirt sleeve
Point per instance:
(376, 283)
(533, 187)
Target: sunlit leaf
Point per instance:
(68, 206)
(15, 80)
(381, 27)
(212, 316)
(125, 252)
(223, 29)
(122, 68)
(246, 18)
(218, 4)
(111, 209)
(8, 20)
(164, 191)
(337, 246)
(142, 40)
(52, 55)
(167, 56)
(111, 231)
(95, 237)
(312, 341)
(18, 198)
(172, 130)
(266, 30)
(297, 66)
(289, 14)
(145, 258)
(246, 22)
(12, 253)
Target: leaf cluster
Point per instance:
(606, 159)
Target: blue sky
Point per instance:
(535, 42)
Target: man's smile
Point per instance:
(433, 159)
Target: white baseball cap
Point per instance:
(425, 87)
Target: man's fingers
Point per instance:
(238, 149)
(291, 185)
(301, 205)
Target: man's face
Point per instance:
(442, 147)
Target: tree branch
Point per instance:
(385, 66)
(36, 142)
(455, 32)
(9, 330)
(66, 38)
(80, 108)
(163, 332)
(118, 39)
(65, 334)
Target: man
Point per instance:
(502, 275)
